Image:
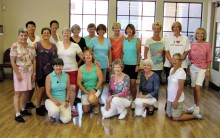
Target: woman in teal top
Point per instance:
(131, 58)
(89, 80)
(101, 48)
(58, 91)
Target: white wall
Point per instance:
(1, 36)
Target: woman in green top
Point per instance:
(89, 80)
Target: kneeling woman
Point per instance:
(148, 90)
(89, 80)
(119, 85)
(58, 91)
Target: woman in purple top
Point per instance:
(119, 85)
(46, 52)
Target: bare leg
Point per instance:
(41, 92)
(17, 102)
(31, 93)
(72, 94)
(86, 108)
(133, 88)
(184, 117)
(25, 97)
(197, 94)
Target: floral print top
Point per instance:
(24, 56)
(120, 88)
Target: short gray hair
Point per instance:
(118, 62)
(75, 26)
(22, 30)
(148, 62)
(66, 29)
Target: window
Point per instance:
(217, 48)
(140, 13)
(84, 12)
(188, 14)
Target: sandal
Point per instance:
(74, 112)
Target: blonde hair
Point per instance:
(177, 23)
(116, 24)
(179, 55)
(203, 31)
(66, 29)
(148, 62)
(157, 24)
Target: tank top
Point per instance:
(130, 51)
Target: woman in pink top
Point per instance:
(200, 56)
(116, 41)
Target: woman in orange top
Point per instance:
(116, 42)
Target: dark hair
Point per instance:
(54, 21)
(58, 61)
(45, 28)
(91, 25)
(132, 28)
(30, 22)
(100, 27)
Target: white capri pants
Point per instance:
(139, 108)
(54, 110)
(84, 98)
(197, 75)
(118, 104)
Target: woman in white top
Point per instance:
(54, 26)
(176, 43)
(175, 97)
(68, 51)
(154, 49)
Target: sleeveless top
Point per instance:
(44, 60)
(58, 85)
(89, 79)
(130, 51)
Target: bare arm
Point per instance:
(185, 54)
(145, 52)
(179, 92)
(168, 56)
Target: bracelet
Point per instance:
(67, 101)
(95, 89)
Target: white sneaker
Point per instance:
(144, 113)
(123, 114)
(191, 109)
(132, 105)
(198, 115)
(101, 102)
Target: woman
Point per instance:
(148, 90)
(175, 97)
(131, 58)
(154, 49)
(54, 26)
(101, 48)
(78, 40)
(91, 28)
(23, 62)
(119, 84)
(176, 43)
(89, 80)
(68, 52)
(116, 42)
(200, 56)
(58, 91)
(46, 52)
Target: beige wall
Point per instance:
(41, 12)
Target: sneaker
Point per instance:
(144, 113)
(25, 112)
(123, 114)
(132, 105)
(19, 119)
(197, 115)
(30, 105)
(40, 112)
(96, 110)
(191, 109)
(74, 112)
(101, 102)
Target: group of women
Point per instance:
(61, 67)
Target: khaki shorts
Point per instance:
(84, 98)
(171, 112)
